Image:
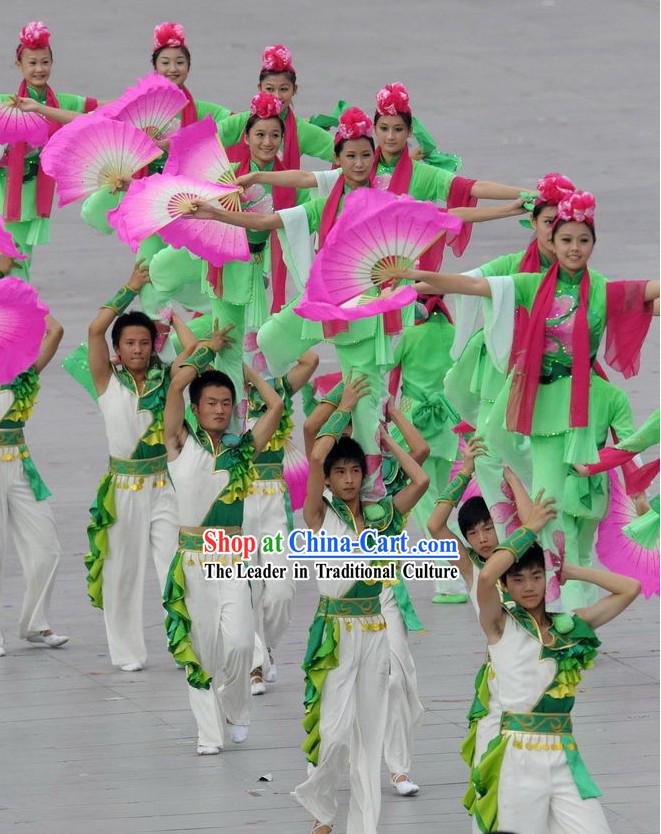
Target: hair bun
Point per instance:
(35, 35)
(353, 125)
(393, 99)
(265, 106)
(553, 188)
(277, 58)
(579, 206)
(169, 34)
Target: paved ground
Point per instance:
(519, 88)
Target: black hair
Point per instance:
(342, 142)
(289, 74)
(532, 558)
(207, 379)
(407, 118)
(472, 512)
(255, 117)
(158, 51)
(133, 319)
(539, 208)
(559, 223)
(347, 449)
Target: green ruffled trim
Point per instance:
(77, 364)
(285, 427)
(644, 530)
(481, 798)
(478, 710)
(178, 625)
(103, 517)
(647, 435)
(242, 471)
(24, 388)
(321, 656)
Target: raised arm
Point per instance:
(500, 561)
(622, 592)
(99, 355)
(522, 499)
(286, 179)
(29, 105)
(652, 291)
(50, 343)
(302, 370)
(187, 341)
(497, 191)
(265, 426)
(319, 416)
(445, 283)
(255, 220)
(313, 509)
(482, 214)
(418, 446)
(408, 497)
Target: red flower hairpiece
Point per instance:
(353, 125)
(169, 34)
(277, 59)
(393, 99)
(34, 35)
(265, 105)
(578, 206)
(553, 188)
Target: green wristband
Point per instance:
(335, 425)
(200, 359)
(454, 490)
(121, 300)
(334, 396)
(519, 542)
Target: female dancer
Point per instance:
(134, 515)
(26, 193)
(548, 393)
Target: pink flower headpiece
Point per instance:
(353, 125)
(34, 35)
(277, 59)
(265, 105)
(578, 206)
(553, 188)
(169, 34)
(393, 99)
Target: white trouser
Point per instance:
(32, 527)
(220, 610)
(354, 705)
(537, 793)
(147, 527)
(264, 514)
(404, 707)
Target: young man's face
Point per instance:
(528, 587)
(483, 538)
(345, 479)
(214, 410)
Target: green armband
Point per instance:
(454, 490)
(121, 300)
(519, 542)
(335, 425)
(334, 395)
(200, 359)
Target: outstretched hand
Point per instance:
(354, 390)
(475, 448)
(219, 340)
(543, 510)
(139, 276)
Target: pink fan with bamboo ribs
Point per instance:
(618, 552)
(22, 327)
(295, 472)
(150, 105)
(163, 204)
(7, 245)
(18, 126)
(91, 152)
(196, 151)
(376, 232)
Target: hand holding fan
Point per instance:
(17, 125)
(150, 105)
(376, 234)
(163, 203)
(91, 152)
(22, 327)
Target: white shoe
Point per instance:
(52, 640)
(238, 732)
(257, 686)
(131, 667)
(207, 750)
(271, 675)
(2, 651)
(404, 787)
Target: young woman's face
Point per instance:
(280, 86)
(135, 348)
(392, 134)
(355, 159)
(573, 245)
(173, 64)
(35, 64)
(542, 225)
(264, 140)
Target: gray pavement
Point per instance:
(519, 88)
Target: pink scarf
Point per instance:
(189, 113)
(460, 197)
(15, 166)
(531, 261)
(528, 362)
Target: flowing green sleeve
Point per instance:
(621, 415)
(439, 159)
(429, 183)
(504, 265)
(231, 129)
(314, 141)
(217, 112)
(314, 210)
(71, 102)
(525, 288)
